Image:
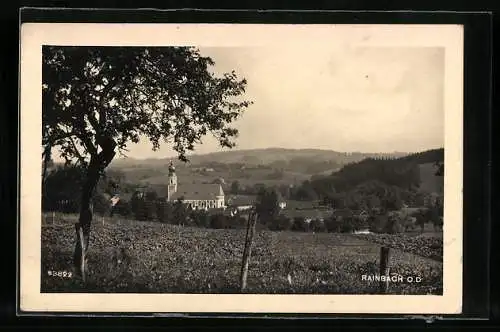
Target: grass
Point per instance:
(143, 257)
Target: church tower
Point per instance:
(172, 181)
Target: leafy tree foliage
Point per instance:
(372, 183)
(300, 225)
(235, 187)
(306, 192)
(281, 223)
(60, 189)
(318, 226)
(267, 205)
(201, 218)
(179, 212)
(97, 100)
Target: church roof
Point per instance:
(205, 191)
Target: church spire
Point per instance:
(172, 181)
(171, 167)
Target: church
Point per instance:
(197, 196)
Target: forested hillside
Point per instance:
(366, 183)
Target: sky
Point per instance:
(329, 97)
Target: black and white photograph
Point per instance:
(259, 161)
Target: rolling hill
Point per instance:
(415, 172)
(262, 157)
(272, 166)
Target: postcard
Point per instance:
(241, 168)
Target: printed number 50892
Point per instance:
(60, 274)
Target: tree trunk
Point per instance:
(82, 228)
(97, 163)
(46, 159)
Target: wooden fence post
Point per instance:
(247, 251)
(384, 269)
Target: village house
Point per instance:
(246, 202)
(241, 202)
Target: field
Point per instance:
(141, 257)
(248, 177)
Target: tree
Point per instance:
(392, 199)
(393, 224)
(138, 206)
(281, 223)
(59, 187)
(164, 211)
(284, 190)
(218, 221)
(439, 168)
(235, 187)
(300, 225)
(267, 205)
(96, 100)
(333, 224)
(318, 225)
(201, 218)
(179, 212)
(306, 192)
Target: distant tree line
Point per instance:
(270, 218)
(375, 197)
(61, 189)
(384, 183)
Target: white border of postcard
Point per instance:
(34, 35)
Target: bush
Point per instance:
(340, 224)
(101, 204)
(409, 223)
(150, 210)
(393, 225)
(122, 209)
(179, 213)
(227, 222)
(334, 224)
(300, 225)
(218, 221)
(237, 222)
(436, 216)
(139, 210)
(360, 223)
(318, 226)
(377, 223)
(282, 223)
(200, 218)
(347, 225)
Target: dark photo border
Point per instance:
(477, 122)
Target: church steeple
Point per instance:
(172, 181)
(171, 167)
